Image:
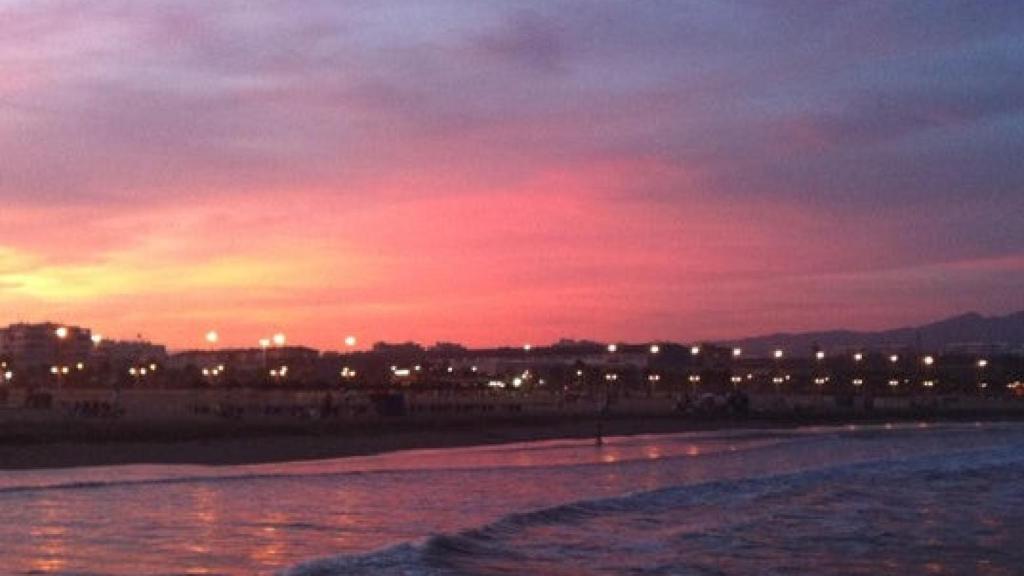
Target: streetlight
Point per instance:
(655, 348)
(264, 344)
(736, 353)
(694, 350)
(278, 339)
(894, 378)
(97, 339)
(350, 341)
(927, 380)
(612, 348)
(777, 379)
(527, 347)
(820, 375)
(212, 337)
(61, 333)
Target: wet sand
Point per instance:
(92, 443)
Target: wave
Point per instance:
(493, 543)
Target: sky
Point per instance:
(508, 172)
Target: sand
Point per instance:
(226, 443)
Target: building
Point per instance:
(119, 353)
(39, 346)
(280, 364)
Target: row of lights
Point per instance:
(143, 370)
(66, 369)
(213, 372)
(779, 354)
(278, 339)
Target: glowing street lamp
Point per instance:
(612, 348)
(212, 337)
(61, 332)
(694, 350)
(737, 352)
(858, 357)
(527, 347)
(97, 339)
(350, 341)
(819, 355)
(278, 339)
(777, 379)
(928, 381)
(655, 348)
(264, 344)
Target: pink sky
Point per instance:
(497, 175)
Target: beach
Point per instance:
(896, 498)
(223, 443)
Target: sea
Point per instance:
(908, 498)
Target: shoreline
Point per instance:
(84, 444)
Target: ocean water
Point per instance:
(896, 499)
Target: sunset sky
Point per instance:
(507, 172)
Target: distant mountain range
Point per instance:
(958, 331)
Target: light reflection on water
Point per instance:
(261, 519)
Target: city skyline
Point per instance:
(962, 332)
(490, 173)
